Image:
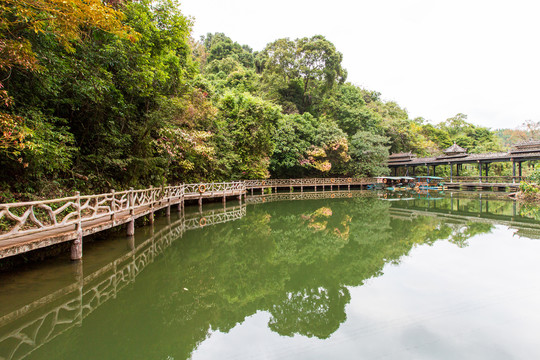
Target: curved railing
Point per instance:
(25, 226)
(306, 182)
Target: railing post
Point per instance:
(131, 206)
(152, 201)
(113, 205)
(76, 246)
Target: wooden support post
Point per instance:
(251, 191)
(301, 189)
(434, 170)
(77, 245)
(349, 187)
(480, 171)
(240, 199)
(224, 200)
(315, 187)
(131, 227)
(427, 169)
(487, 169)
(451, 166)
(520, 172)
(168, 211)
(513, 171)
(200, 203)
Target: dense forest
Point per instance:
(97, 96)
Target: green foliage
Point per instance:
(369, 154)
(246, 127)
(312, 64)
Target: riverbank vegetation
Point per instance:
(120, 95)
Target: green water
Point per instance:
(421, 277)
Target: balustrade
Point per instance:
(36, 224)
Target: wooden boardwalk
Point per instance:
(32, 225)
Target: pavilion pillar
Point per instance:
(457, 169)
(413, 170)
(406, 170)
(479, 171)
(434, 170)
(520, 172)
(487, 169)
(513, 171)
(427, 169)
(451, 166)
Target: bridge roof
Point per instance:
(532, 154)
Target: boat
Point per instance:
(394, 183)
(430, 183)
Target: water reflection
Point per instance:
(296, 260)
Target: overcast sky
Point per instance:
(435, 58)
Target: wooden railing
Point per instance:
(306, 182)
(26, 218)
(37, 224)
(486, 179)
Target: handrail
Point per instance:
(494, 179)
(67, 213)
(306, 182)
(25, 218)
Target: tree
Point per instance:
(21, 21)
(369, 154)
(246, 126)
(314, 61)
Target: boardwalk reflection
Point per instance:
(35, 324)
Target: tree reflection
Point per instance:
(294, 260)
(310, 312)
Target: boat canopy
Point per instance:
(407, 178)
(390, 177)
(430, 177)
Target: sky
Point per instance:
(434, 58)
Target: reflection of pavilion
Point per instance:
(452, 210)
(26, 329)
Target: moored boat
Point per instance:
(430, 183)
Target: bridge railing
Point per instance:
(25, 218)
(305, 182)
(486, 179)
(214, 187)
(75, 212)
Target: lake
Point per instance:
(302, 276)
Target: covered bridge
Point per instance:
(456, 155)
